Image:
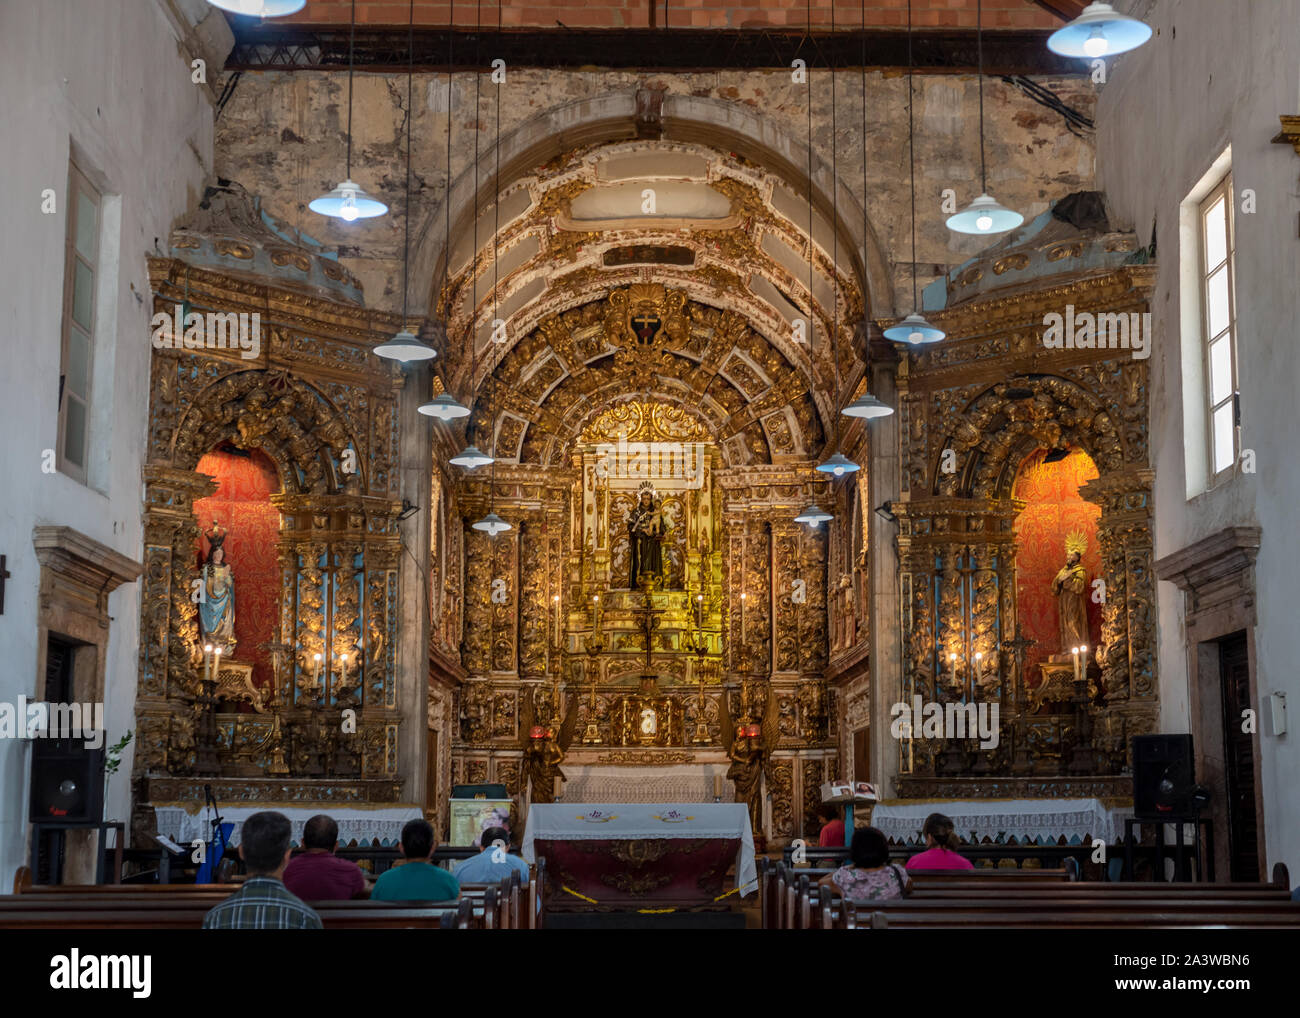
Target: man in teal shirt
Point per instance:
(417, 879)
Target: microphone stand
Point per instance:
(218, 832)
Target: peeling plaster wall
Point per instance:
(283, 137)
(109, 77)
(1216, 75)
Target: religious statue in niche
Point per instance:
(1069, 586)
(217, 604)
(749, 748)
(645, 532)
(544, 749)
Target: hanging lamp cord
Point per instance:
(979, 50)
(352, 38)
(835, 250)
(410, 123)
(911, 150)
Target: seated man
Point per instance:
(417, 879)
(480, 869)
(263, 903)
(318, 874)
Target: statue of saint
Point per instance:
(1069, 586)
(217, 608)
(645, 532)
(544, 750)
(749, 748)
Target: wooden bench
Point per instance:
(357, 915)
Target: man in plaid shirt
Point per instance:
(263, 903)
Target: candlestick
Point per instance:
(699, 611)
(952, 668)
(216, 664)
(742, 620)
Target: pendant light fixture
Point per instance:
(348, 201)
(914, 328)
(471, 457)
(813, 514)
(493, 524)
(260, 8)
(865, 406)
(406, 346)
(1100, 31)
(984, 215)
(837, 465)
(445, 406)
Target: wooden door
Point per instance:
(1239, 759)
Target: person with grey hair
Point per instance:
(263, 903)
(317, 874)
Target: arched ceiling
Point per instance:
(728, 234)
(650, 343)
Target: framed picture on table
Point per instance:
(471, 817)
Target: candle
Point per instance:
(207, 662)
(316, 673)
(717, 786)
(1075, 652)
(216, 664)
(699, 611)
(1083, 671)
(979, 671)
(952, 668)
(555, 601)
(742, 618)
(559, 786)
(343, 664)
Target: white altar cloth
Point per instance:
(622, 783)
(359, 822)
(586, 821)
(1035, 820)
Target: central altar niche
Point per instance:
(649, 561)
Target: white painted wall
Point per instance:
(109, 77)
(1216, 75)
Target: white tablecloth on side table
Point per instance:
(1032, 819)
(590, 821)
(184, 822)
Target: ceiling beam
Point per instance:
(292, 47)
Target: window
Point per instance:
(1218, 328)
(81, 265)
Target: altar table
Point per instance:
(623, 854)
(184, 822)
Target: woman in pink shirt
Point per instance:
(940, 847)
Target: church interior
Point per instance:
(677, 436)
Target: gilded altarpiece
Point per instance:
(972, 410)
(324, 410)
(598, 411)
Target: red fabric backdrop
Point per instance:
(242, 505)
(1055, 509)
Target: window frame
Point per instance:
(79, 183)
(1221, 190)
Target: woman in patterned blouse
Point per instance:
(869, 875)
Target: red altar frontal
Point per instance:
(632, 854)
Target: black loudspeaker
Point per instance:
(67, 782)
(1163, 776)
(479, 792)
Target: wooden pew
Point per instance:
(354, 915)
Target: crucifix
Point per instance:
(649, 623)
(4, 575)
(1017, 648)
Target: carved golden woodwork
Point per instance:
(971, 410)
(323, 409)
